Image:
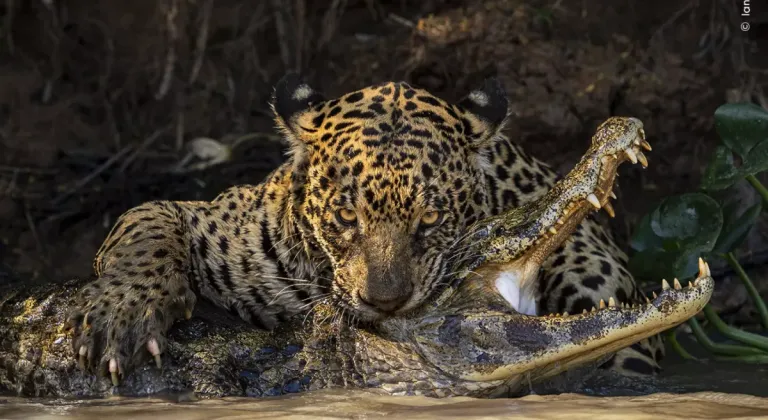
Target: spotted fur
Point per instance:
(377, 189)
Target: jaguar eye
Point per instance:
(346, 217)
(431, 218)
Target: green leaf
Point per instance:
(644, 237)
(736, 225)
(670, 239)
(692, 220)
(757, 160)
(741, 126)
(721, 172)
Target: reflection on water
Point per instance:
(686, 390)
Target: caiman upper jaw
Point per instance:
(516, 243)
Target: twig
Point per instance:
(111, 121)
(33, 230)
(28, 170)
(330, 22)
(96, 172)
(179, 123)
(673, 18)
(299, 38)
(9, 26)
(143, 146)
(401, 20)
(285, 50)
(170, 58)
(202, 41)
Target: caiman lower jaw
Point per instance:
(554, 343)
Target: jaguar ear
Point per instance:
(490, 105)
(291, 99)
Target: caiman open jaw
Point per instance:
(512, 246)
(514, 347)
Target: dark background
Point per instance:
(101, 99)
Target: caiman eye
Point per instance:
(346, 217)
(431, 218)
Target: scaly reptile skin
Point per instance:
(465, 340)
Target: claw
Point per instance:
(631, 155)
(613, 195)
(592, 198)
(187, 314)
(677, 284)
(645, 145)
(664, 284)
(641, 133)
(154, 348)
(113, 372)
(608, 207)
(81, 359)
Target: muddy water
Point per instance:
(365, 405)
(687, 390)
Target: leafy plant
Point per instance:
(670, 239)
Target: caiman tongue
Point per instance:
(513, 245)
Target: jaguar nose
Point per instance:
(388, 302)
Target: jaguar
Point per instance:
(367, 211)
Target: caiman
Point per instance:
(465, 340)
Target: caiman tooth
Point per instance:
(664, 284)
(648, 300)
(611, 302)
(677, 284)
(654, 295)
(560, 221)
(565, 314)
(703, 269)
(608, 207)
(643, 160)
(602, 304)
(593, 309)
(690, 285)
(645, 145)
(592, 198)
(584, 311)
(552, 230)
(631, 155)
